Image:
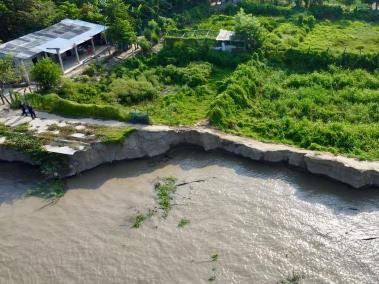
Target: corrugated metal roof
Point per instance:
(63, 35)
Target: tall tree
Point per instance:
(18, 17)
(121, 33)
(249, 29)
(120, 30)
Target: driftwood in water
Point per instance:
(369, 239)
(194, 181)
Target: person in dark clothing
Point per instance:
(23, 108)
(31, 111)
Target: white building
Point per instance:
(227, 41)
(68, 42)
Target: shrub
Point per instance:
(53, 103)
(85, 92)
(46, 73)
(131, 91)
(192, 75)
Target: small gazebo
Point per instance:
(228, 41)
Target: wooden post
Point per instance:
(3, 97)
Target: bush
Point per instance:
(192, 75)
(131, 91)
(87, 92)
(53, 103)
(307, 21)
(46, 73)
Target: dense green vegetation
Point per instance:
(309, 76)
(334, 110)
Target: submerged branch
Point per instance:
(194, 181)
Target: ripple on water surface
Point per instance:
(258, 221)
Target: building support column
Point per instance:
(26, 74)
(77, 54)
(60, 60)
(106, 43)
(93, 45)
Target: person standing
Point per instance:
(23, 108)
(31, 111)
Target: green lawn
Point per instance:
(354, 36)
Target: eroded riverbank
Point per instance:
(83, 153)
(261, 220)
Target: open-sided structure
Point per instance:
(228, 41)
(68, 42)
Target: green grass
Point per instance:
(354, 36)
(165, 190)
(216, 22)
(183, 222)
(22, 139)
(139, 220)
(111, 135)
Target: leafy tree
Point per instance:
(18, 17)
(121, 30)
(8, 74)
(144, 44)
(68, 10)
(90, 12)
(249, 29)
(121, 33)
(46, 73)
(115, 10)
(152, 31)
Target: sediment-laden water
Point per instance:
(259, 222)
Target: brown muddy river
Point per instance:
(258, 221)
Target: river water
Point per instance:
(260, 222)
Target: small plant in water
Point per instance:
(293, 278)
(214, 257)
(212, 278)
(183, 222)
(165, 190)
(49, 189)
(139, 220)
